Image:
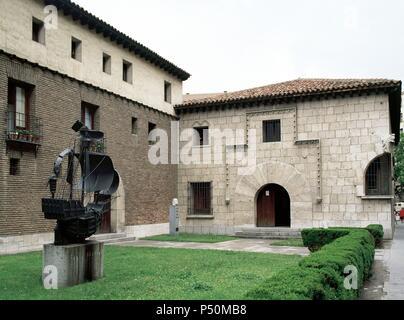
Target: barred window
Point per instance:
(200, 198)
(378, 176)
(271, 131)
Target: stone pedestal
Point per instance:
(67, 266)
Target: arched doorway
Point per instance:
(273, 207)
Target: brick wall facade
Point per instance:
(57, 102)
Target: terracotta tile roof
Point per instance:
(290, 89)
(99, 26)
(198, 96)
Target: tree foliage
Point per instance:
(399, 162)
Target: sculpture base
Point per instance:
(70, 265)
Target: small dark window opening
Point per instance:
(106, 63)
(378, 177)
(134, 126)
(14, 167)
(200, 198)
(202, 136)
(271, 131)
(167, 91)
(152, 126)
(38, 31)
(76, 49)
(127, 71)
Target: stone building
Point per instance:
(305, 153)
(79, 68)
(322, 151)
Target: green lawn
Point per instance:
(150, 273)
(288, 243)
(189, 237)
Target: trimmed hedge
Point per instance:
(315, 239)
(320, 276)
(377, 232)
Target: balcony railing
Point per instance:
(23, 128)
(99, 146)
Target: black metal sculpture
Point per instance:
(81, 174)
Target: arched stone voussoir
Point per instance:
(274, 172)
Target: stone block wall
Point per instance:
(321, 160)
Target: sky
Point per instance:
(229, 45)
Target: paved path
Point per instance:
(245, 245)
(394, 260)
(387, 281)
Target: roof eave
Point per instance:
(94, 23)
(288, 97)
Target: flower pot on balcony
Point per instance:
(13, 135)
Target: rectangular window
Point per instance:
(19, 96)
(76, 49)
(200, 198)
(38, 31)
(152, 126)
(88, 115)
(14, 167)
(271, 131)
(127, 71)
(167, 91)
(202, 136)
(134, 125)
(106, 63)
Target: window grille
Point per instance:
(378, 176)
(271, 131)
(200, 198)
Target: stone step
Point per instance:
(120, 240)
(267, 236)
(268, 233)
(265, 232)
(269, 229)
(107, 236)
(253, 235)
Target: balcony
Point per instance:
(99, 146)
(24, 132)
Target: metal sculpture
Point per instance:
(81, 174)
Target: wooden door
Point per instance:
(105, 226)
(266, 208)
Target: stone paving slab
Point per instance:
(242, 245)
(394, 261)
(387, 281)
